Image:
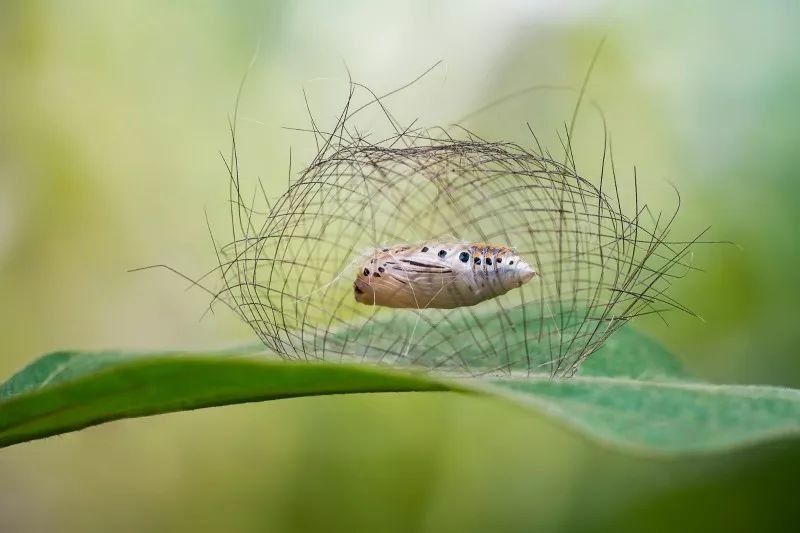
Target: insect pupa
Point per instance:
(582, 265)
(439, 275)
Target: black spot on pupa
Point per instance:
(477, 260)
(381, 269)
(385, 250)
(442, 253)
(366, 272)
(488, 260)
(499, 260)
(375, 274)
(464, 256)
(511, 262)
(425, 248)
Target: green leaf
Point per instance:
(658, 417)
(631, 354)
(630, 395)
(626, 353)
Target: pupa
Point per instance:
(441, 275)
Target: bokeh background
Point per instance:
(112, 115)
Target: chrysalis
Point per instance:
(442, 275)
(582, 266)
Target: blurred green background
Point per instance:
(111, 118)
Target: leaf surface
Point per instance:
(630, 395)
